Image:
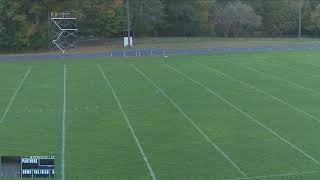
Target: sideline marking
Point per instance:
(63, 120)
(262, 91)
(192, 122)
(245, 114)
(14, 95)
(277, 175)
(281, 79)
(129, 124)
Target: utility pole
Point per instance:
(129, 23)
(300, 19)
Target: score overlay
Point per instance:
(27, 166)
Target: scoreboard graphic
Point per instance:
(27, 167)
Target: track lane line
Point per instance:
(200, 131)
(152, 174)
(14, 95)
(245, 114)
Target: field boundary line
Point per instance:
(7, 89)
(268, 63)
(152, 174)
(63, 122)
(244, 113)
(28, 87)
(262, 91)
(15, 95)
(281, 79)
(276, 175)
(309, 75)
(200, 131)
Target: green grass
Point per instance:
(101, 45)
(193, 43)
(211, 42)
(200, 117)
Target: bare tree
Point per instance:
(315, 17)
(235, 17)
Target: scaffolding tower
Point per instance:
(64, 30)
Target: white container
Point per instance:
(126, 43)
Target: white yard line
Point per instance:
(39, 87)
(264, 92)
(29, 87)
(152, 174)
(14, 95)
(63, 122)
(281, 79)
(245, 114)
(268, 63)
(314, 75)
(7, 89)
(276, 175)
(200, 131)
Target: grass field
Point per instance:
(192, 43)
(114, 44)
(224, 116)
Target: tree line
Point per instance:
(25, 23)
